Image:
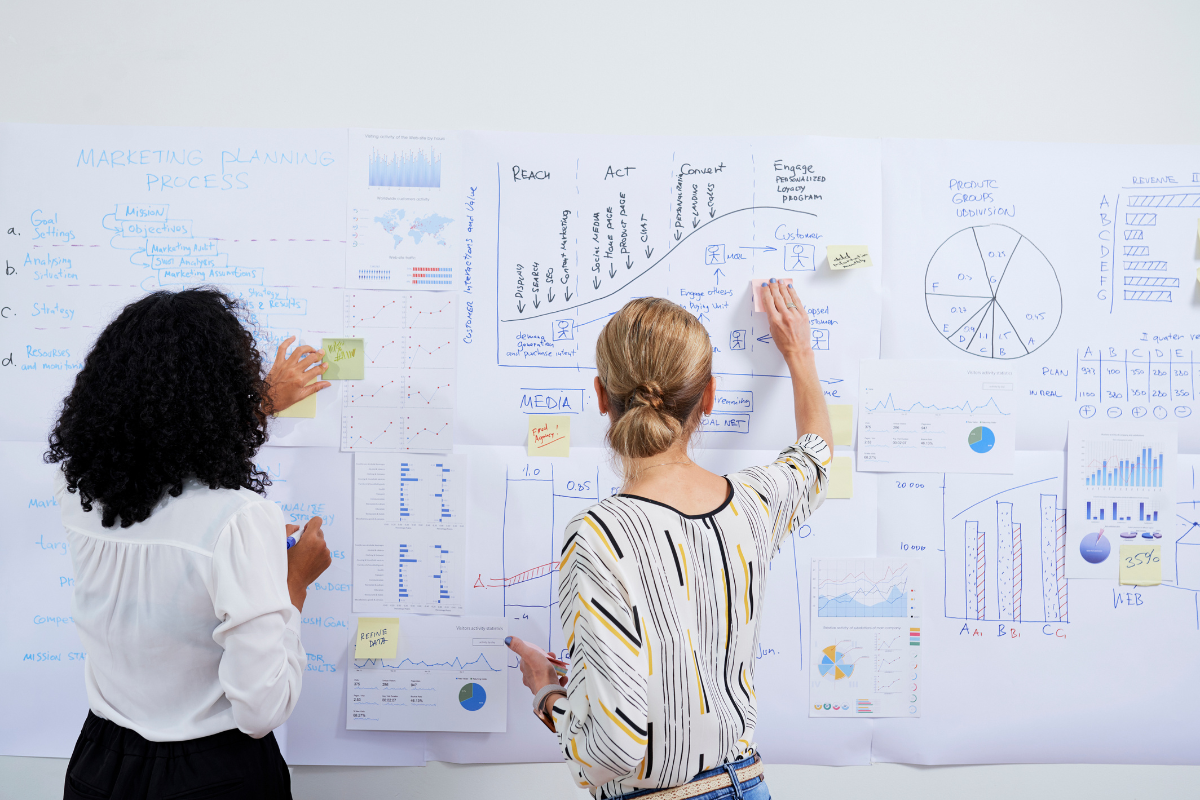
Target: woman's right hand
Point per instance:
(307, 559)
(789, 326)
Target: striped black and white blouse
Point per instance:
(661, 612)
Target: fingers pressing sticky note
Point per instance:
(377, 637)
(841, 479)
(345, 358)
(762, 294)
(1141, 565)
(841, 417)
(549, 435)
(848, 256)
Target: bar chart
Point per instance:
(1145, 470)
(413, 168)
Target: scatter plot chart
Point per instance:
(409, 533)
(866, 638)
(992, 293)
(405, 401)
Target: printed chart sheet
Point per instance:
(449, 674)
(866, 638)
(409, 533)
(405, 401)
(403, 222)
(935, 416)
(1121, 492)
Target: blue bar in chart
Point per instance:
(415, 169)
(1144, 471)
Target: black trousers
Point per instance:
(114, 762)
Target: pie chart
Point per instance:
(1094, 548)
(990, 292)
(472, 697)
(832, 664)
(981, 439)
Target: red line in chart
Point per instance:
(380, 435)
(373, 315)
(379, 352)
(435, 434)
(419, 314)
(540, 571)
(365, 395)
(427, 352)
(429, 399)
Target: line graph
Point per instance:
(407, 397)
(455, 665)
(854, 588)
(423, 430)
(965, 407)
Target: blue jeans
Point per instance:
(753, 789)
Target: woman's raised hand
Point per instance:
(789, 320)
(289, 379)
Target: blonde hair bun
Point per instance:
(655, 361)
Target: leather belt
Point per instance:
(705, 785)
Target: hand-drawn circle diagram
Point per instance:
(991, 293)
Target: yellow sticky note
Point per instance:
(345, 358)
(1140, 565)
(377, 637)
(761, 292)
(549, 435)
(842, 419)
(848, 256)
(841, 479)
(304, 409)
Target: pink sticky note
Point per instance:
(758, 289)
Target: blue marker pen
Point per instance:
(291, 540)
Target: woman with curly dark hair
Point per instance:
(187, 598)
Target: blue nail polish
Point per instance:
(764, 284)
(772, 280)
(508, 640)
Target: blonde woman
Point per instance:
(661, 587)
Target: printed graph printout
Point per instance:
(935, 416)
(406, 212)
(409, 533)
(1122, 484)
(866, 638)
(449, 674)
(405, 401)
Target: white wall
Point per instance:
(1094, 71)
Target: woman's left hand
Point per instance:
(536, 670)
(289, 379)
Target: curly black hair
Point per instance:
(172, 389)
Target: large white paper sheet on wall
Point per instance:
(103, 215)
(1020, 664)
(41, 657)
(308, 482)
(519, 508)
(564, 230)
(1076, 262)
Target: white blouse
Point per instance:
(661, 612)
(185, 617)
